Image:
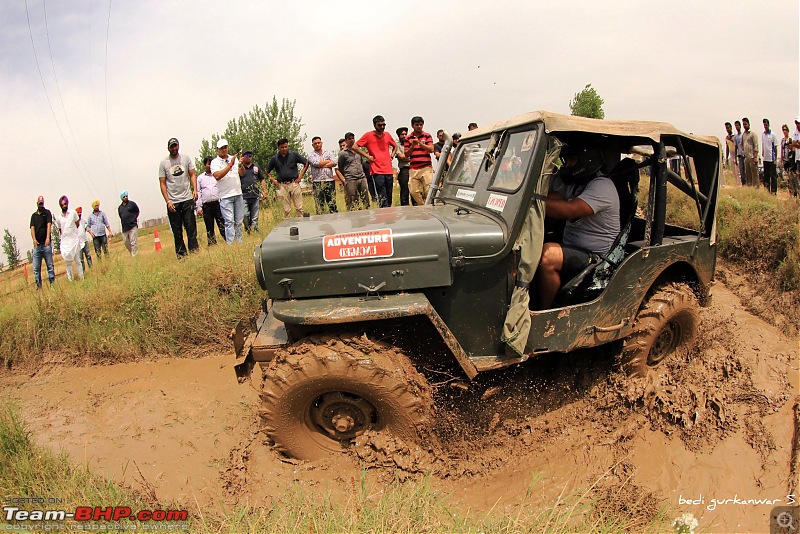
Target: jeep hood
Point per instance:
(381, 250)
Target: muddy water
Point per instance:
(711, 431)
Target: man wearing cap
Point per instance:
(208, 203)
(68, 226)
(225, 170)
(178, 183)
(284, 163)
(129, 216)
(252, 178)
(84, 250)
(100, 229)
(41, 224)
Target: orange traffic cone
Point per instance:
(157, 240)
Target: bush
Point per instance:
(132, 307)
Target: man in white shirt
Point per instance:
(68, 226)
(769, 147)
(208, 203)
(231, 202)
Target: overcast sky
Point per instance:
(184, 68)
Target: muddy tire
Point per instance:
(321, 392)
(666, 322)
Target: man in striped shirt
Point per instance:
(418, 148)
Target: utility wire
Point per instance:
(49, 103)
(108, 130)
(61, 99)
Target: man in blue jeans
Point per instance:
(229, 185)
(251, 177)
(41, 223)
(175, 174)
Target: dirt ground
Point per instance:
(716, 427)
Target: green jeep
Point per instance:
(360, 302)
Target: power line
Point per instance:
(61, 99)
(49, 103)
(108, 130)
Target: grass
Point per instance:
(29, 470)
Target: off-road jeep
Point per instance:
(357, 300)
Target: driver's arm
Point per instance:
(558, 208)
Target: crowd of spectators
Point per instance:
(764, 160)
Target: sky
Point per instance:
(91, 90)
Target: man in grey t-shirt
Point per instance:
(176, 174)
(589, 203)
(350, 165)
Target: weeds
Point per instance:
(758, 236)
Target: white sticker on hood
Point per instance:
(496, 202)
(466, 194)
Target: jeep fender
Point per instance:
(341, 310)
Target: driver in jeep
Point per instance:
(588, 201)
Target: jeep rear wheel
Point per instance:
(322, 392)
(666, 322)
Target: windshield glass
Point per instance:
(467, 165)
(516, 158)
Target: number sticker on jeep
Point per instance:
(358, 245)
(496, 202)
(466, 194)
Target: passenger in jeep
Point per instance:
(588, 201)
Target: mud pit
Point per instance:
(715, 425)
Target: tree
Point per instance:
(11, 250)
(259, 130)
(587, 103)
(55, 239)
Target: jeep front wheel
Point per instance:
(321, 392)
(666, 322)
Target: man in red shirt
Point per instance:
(377, 143)
(418, 148)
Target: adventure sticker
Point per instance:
(496, 202)
(466, 194)
(358, 245)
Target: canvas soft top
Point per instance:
(555, 122)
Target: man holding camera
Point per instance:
(225, 168)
